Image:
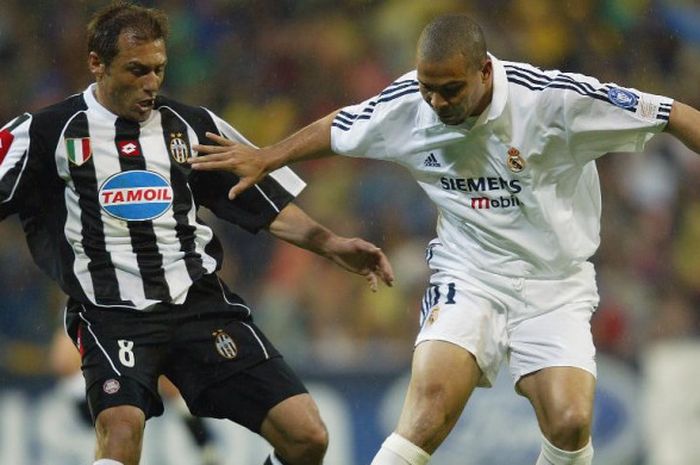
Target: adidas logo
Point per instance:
(431, 161)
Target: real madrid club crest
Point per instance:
(179, 149)
(434, 313)
(224, 344)
(516, 163)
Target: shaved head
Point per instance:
(448, 35)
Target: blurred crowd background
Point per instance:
(271, 66)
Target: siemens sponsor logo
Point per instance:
(483, 184)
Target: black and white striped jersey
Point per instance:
(109, 206)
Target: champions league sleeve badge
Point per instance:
(622, 98)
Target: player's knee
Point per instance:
(314, 441)
(120, 427)
(434, 402)
(571, 429)
(429, 415)
(308, 446)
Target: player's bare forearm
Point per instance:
(313, 141)
(353, 254)
(251, 165)
(684, 123)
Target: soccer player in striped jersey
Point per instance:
(110, 206)
(507, 152)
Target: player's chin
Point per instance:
(451, 120)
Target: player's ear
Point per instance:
(96, 65)
(486, 70)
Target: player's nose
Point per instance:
(437, 101)
(151, 82)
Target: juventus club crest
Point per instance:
(179, 149)
(224, 344)
(516, 163)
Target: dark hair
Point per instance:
(453, 33)
(144, 24)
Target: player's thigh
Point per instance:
(557, 338)
(248, 396)
(459, 310)
(443, 368)
(562, 398)
(552, 359)
(120, 357)
(295, 420)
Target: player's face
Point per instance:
(454, 90)
(129, 84)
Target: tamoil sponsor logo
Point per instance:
(136, 195)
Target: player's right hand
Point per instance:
(244, 161)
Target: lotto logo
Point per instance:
(128, 148)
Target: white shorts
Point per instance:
(534, 323)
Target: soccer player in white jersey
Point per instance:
(506, 151)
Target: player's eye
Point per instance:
(451, 91)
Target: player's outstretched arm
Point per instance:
(293, 225)
(251, 164)
(684, 123)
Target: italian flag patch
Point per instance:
(78, 150)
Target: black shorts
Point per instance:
(223, 365)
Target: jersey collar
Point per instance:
(500, 93)
(94, 105)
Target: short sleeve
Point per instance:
(360, 130)
(255, 208)
(14, 154)
(601, 118)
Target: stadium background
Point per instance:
(271, 66)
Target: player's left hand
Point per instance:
(361, 257)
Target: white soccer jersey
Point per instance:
(517, 194)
